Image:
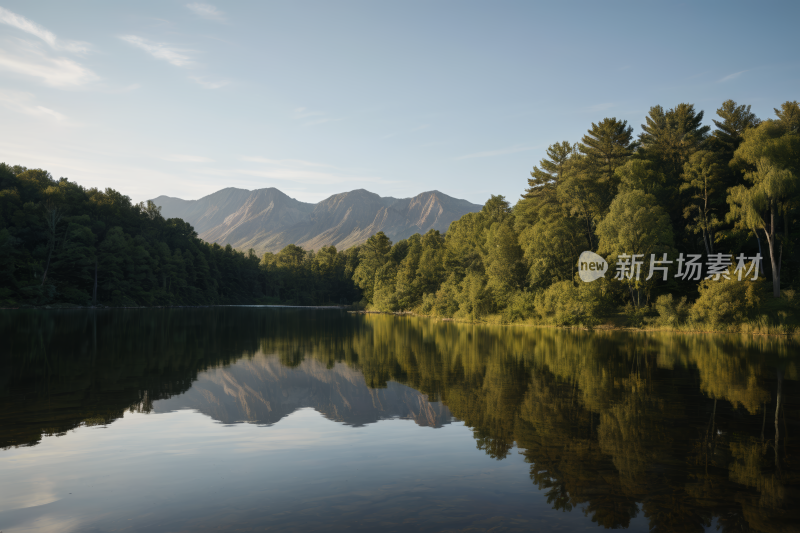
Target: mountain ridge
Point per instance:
(267, 219)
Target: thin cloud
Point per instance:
(183, 158)
(56, 72)
(302, 112)
(312, 118)
(28, 26)
(22, 103)
(165, 52)
(209, 84)
(730, 77)
(502, 151)
(207, 11)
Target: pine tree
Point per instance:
(735, 120)
(672, 136)
(789, 116)
(607, 145)
(540, 196)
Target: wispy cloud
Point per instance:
(23, 103)
(312, 118)
(303, 112)
(28, 26)
(30, 60)
(166, 52)
(208, 84)
(502, 151)
(730, 77)
(207, 11)
(183, 158)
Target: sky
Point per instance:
(315, 98)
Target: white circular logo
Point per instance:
(591, 266)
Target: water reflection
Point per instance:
(687, 431)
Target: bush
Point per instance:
(446, 303)
(521, 306)
(790, 297)
(672, 312)
(726, 301)
(75, 296)
(564, 304)
(428, 301)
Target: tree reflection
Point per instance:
(673, 427)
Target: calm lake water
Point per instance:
(253, 419)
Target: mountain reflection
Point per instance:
(262, 390)
(689, 430)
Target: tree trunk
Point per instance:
(94, 289)
(760, 252)
(776, 268)
(706, 237)
(47, 266)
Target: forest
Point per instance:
(64, 245)
(676, 188)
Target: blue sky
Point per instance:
(314, 98)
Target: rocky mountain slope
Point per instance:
(267, 219)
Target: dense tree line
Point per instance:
(63, 244)
(677, 188)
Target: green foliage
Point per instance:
(521, 306)
(702, 177)
(727, 301)
(635, 224)
(63, 244)
(735, 120)
(678, 188)
(671, 311)
(564, 304)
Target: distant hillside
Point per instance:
(267, 219)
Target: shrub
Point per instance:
(521, 306)
(446, 303)
(790, 297)
(672, 312)
(565, 304)
(75, 296)
(726, 301)
(428, 301)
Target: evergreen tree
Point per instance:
(789, 116)
(607, 145)
(735, 120)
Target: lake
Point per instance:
(254, 419)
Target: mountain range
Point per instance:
(267, 219)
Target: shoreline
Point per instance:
(352, 310)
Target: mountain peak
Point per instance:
(267, 219)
